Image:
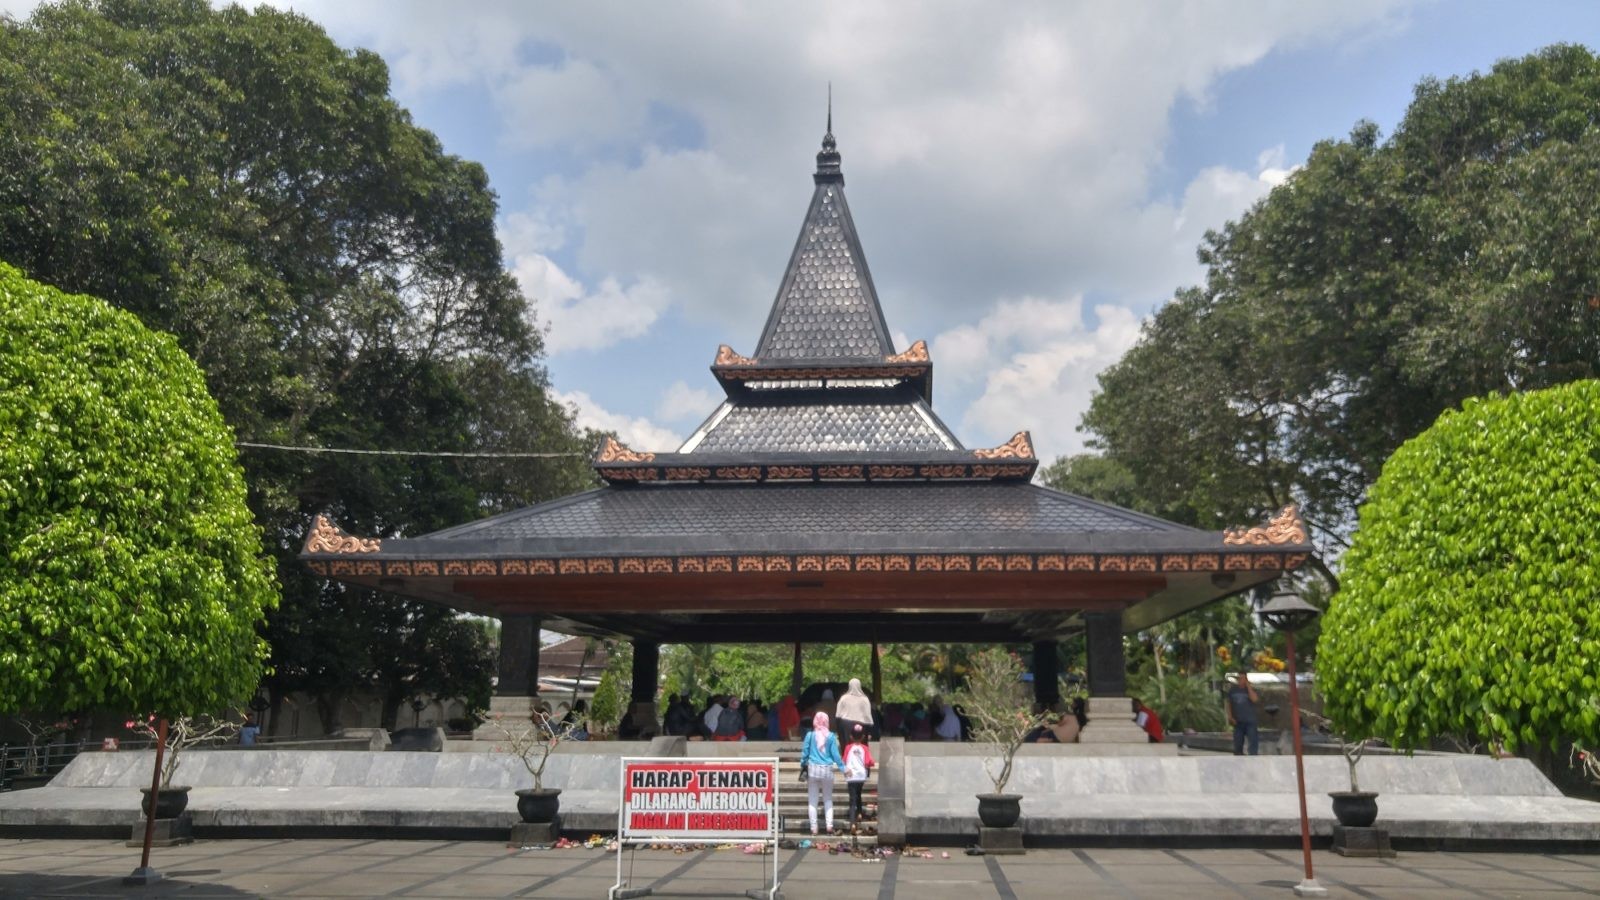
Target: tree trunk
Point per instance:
(274, 710)
(1161, 678)
(390, 714)
(329, 705)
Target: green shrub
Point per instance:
(131, 573)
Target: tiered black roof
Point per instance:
(825, 460)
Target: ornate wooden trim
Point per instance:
(1284, 528)
(890, 471)
(823, 374)
(326, 537)
(790, 473)
(850, 472)
(1121, 563)
(916, 353)
(613, 450)
(739, 473)
(726, 357)
(1019, 447)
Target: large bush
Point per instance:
(1469, 599)
(131, 573)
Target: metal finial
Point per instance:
(828, 159)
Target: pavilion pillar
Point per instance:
(1046, 673)
(516, 690)
(1109, 708)
(876, 666)
(797, 677)
(646, 680)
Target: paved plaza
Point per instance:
(355, 868)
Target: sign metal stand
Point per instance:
(679, 800)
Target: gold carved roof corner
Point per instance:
(726, 357)
(1284, 528)
(613, 450)
(916, 353)
(1019, 447)
(326, 537)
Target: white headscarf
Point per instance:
(855, 705)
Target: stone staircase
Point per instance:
(793, 822)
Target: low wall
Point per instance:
(926, 795)
(1434, 800)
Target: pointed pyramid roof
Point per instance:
(826, 308)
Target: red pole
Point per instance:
(155, 793)
(1299, 757)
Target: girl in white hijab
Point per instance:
(854, 708)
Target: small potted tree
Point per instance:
(1354, 808)
(1002, 716)
(182, 733)
(532, 742)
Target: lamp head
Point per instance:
(1287, 613)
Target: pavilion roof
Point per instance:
(824, 483)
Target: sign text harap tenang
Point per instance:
(708, 800)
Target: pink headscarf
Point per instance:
(819, 724)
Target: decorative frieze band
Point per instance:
(816, 472)
(1118, 563)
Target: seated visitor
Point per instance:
(788, 719)
(755, 720)
(730, 723)
(1146, 718)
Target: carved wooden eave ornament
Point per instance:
(1284, 528)
(326, 537)
(916, 353)
(614, 451)
(1019, 447)
(726, 357)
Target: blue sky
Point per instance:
(1030, 180)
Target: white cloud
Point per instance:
(637, 432)
(579, 317)
(996, 155)
(681, 403)
(1040, 362)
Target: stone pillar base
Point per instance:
(513, 710)
(167, 832)
(1000, 841)
(1362, 842)
(528, 834)
(1111, 722)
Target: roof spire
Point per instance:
(828, 157)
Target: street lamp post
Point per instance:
(1287, 613)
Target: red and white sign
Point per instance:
(710, 800)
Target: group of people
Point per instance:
(725, 717)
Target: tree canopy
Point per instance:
(1468, 603)
(234, 177)
(1382, 283)
(132, 576)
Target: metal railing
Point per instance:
(24, 765)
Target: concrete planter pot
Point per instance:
(538, 806)
(170, 803)
(999, 810)
(1355, 809)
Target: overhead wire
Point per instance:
(347, 450)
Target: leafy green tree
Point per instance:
(132, 576)
(613, 695)
(234, 177)
(1383, 283)
(1468, 603)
